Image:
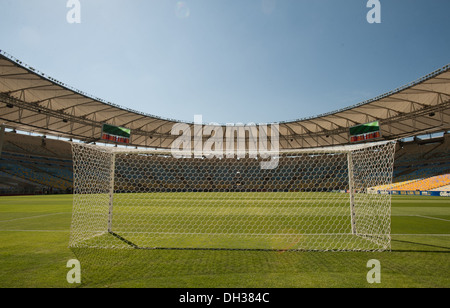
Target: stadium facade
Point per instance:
(47, 110)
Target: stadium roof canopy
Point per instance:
(34, 102)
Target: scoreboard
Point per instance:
(116, 134)
(365, 132)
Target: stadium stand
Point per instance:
(427, 184)
(37, 165)
(393, 186)
(31, 101)
(444, 188)
(38, 146)
(167, 174)
(15, 185)
(419, 159)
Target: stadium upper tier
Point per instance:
(34, 102)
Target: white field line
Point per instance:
(42, 231)
(432, 218)
(421, 216)
(334, 234)
(420, 235)
(32, 217)
(68, 231)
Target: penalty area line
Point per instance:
(420, 234)
(32, 217)
(46, 231)
(428, 217)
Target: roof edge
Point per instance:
(70, 88)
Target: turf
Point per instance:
(232, 220)
(34, 238)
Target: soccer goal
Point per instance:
(314, 200)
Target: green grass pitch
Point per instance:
(34, 239)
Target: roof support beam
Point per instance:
(2, 138)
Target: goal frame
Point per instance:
(106, 164)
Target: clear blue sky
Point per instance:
(230, 60)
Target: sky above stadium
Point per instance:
(232, 61)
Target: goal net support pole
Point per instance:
(351, 193)
(111, 192)
(2, 138)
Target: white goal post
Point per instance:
(314, 200)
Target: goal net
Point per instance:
(314, 200)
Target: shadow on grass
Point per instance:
(447, 249)
(184, 268)
(172, 268)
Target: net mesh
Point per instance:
(313, 200)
